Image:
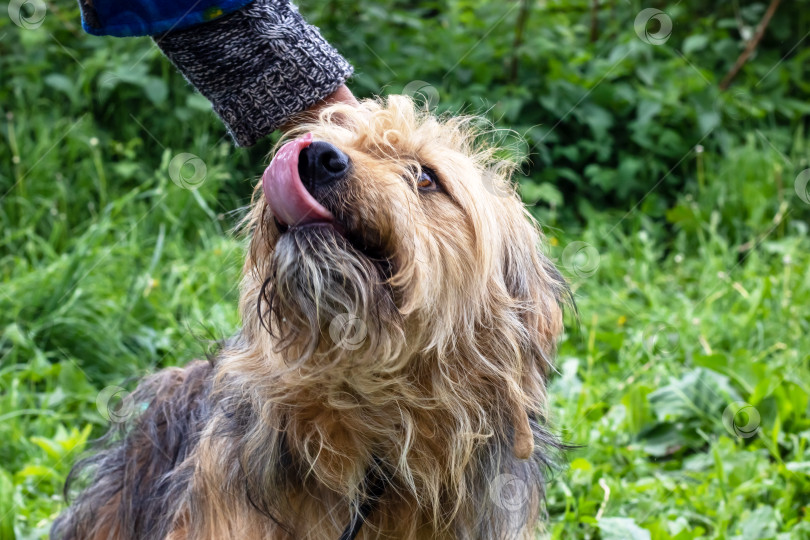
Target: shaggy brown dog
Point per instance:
(399, 322)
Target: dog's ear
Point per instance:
(523, 442)
(538, 292)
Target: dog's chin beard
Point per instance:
(325, 298)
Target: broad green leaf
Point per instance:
(621, 528)
(694, 43)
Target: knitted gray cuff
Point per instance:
(258, 66)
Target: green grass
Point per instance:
(688, 304)
(668, 340)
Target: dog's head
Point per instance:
(396, 303)
(383, 232)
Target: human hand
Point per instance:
(341, 95)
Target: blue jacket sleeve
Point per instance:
(124, 18)
(259, 65)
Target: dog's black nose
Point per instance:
(321, 164)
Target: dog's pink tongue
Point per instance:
(289, 200)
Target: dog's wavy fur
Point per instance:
(274, 438)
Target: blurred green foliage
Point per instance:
(686, 201)
(606, 115)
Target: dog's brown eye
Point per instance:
(427, 181)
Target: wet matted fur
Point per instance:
(445, 395)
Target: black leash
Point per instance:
(375, 482)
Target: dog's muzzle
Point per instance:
(322, 164)
(300, 174)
